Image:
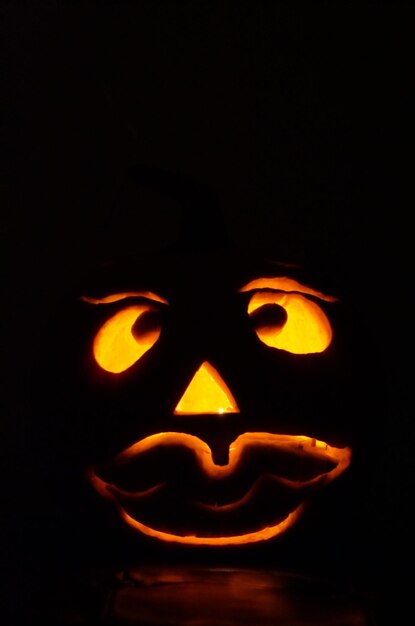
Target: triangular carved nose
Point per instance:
(207, 392)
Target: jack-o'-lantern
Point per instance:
(209, 475)
(208, 400)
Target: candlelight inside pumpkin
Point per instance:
(170, 485)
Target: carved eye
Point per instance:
(289, 321)
(125, 337)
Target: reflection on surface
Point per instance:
(183, 596)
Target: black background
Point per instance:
(297, 114)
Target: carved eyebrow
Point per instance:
(125, 294)
(284, 283)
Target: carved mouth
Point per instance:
(168, 486)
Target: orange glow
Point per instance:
(306, 330)
(207, 392)
(308, 445)
(115, 297)
(260, 535)
(296, 444)
(282, 283)
(115, 347)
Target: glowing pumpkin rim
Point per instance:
(342, 456)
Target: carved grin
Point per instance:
(168, 486)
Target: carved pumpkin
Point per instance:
(206, 399)
(207, 389)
